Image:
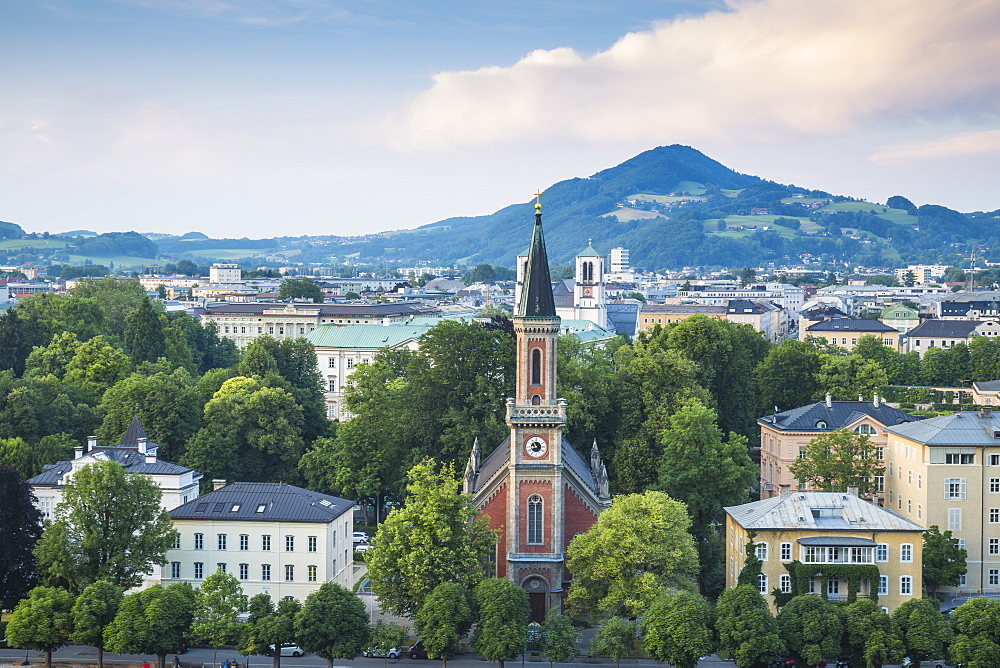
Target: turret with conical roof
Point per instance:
(536, 294)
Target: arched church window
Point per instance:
(536, 400)
(536, 366)
(534, 520)
(588, 271)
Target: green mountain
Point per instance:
(673, 206)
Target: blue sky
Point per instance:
(267, 117)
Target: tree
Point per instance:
(152, 621)
(615, 640)
(847, 377)
(811, 628)
(943, 560)
(117, 298)
(385, 636)
(692, 445)
(219, 602)
(977, 633)
(300, 288)
(42, 622)
(677, 628)
(94, 610)
(333, 623)
(95, 367)
(53, 358)
(502, 620)
(145, 340)
(443, 620)
(925, 631)
(787, 376)
(109, 526)
(267, 629)
(746, 628)
(434, 538)
(839, 459)
(19, 336)
(562, 640)
(872, 636)
(747, 276)
(637, 546)
(21, 527)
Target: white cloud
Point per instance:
(760, 71)
(959, 145)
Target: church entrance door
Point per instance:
(537, 603)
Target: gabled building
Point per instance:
(900, 317)
(948, 333)
(136, 453)
(845, 332)
(535, 489)
(785, 435)
(945, 471)
(276, 539)
(813, 531)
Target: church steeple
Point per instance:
(536, 296)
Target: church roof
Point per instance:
(536, 296)
(589, 252)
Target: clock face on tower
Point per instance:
(535, 446)
(587, 292)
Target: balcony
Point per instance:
(540, 415)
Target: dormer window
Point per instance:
(262, 507)
(821, 424)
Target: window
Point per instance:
(177, 542)
(954, 519)
(909, 506)
(244, 542)
(289, 543)
(880, 483)
(833, 586)
(890, 469)
(954, 488)
(221, 567)
(265, 572)
(802, 452)
(906, 553)
(994, 515)
(265, 543)
(762, 583)
(175, 569)
(221, 541)
(199, 541)
(762, 551)
(312, 543)
(994, 545)
(350, 363)
(882, 552)
(905, 585)
(785, 582)
(311, 573)
(332, 363)
(812, 585)
(909, 476)
(883, 584)
(244, 571)
(963, 580)
(786, 551)
(534, 520)
(199, 570)
(994, 460)
(865, 429)
(993, 577)
(880, 453)
(331, 385)
(920, 511)
(959, 458)
(920, 481)
(289, 573)
(994, 485)
(536, 366)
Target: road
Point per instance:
(202, 658)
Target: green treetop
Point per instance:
(838, 459)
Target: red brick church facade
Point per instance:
(535, 489)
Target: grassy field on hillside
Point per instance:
(14, 244)
(626, 214)
(119, 260)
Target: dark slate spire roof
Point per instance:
(133, 433)
(536, 296)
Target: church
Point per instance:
(535, 489)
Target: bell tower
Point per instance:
(589, 301)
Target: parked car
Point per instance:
(417, 651)
(392, 653)
(927, 663)
(362, 547)
(360, 537)
(290, 649)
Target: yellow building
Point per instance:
(945, 471)
(806, 539)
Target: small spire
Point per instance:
(590, 242)
(538, 201)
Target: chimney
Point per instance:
(141, 444)
(785, 490)
(217, 484)
(986, 412)
(852, 490)
(91, 443)
(876, 400)
(151, 453)
(829, 400)
(861, 397)
(78, 451)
